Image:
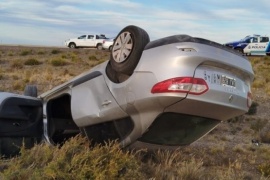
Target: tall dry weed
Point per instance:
(172, 165)
(75, 159)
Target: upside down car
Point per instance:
(167, 92)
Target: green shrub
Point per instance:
(92, 57)
(73, 56)
(55, 51)
(41, 53)
(31, 62)
(10, 53)
(58, 62)
(25, 52)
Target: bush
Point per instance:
(25, 52)
(31, 62)
(74, 160)
(92, 57)
(58, 62)
(10, 54)
(55, 51)
(41, 52)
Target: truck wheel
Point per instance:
(72, 45)
(110, 48)
(127, 49)
(268, 54)
(30, 90)
(239, 50)
(99, 46)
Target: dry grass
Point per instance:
(52, 66)
(74, 160)
(225, 153)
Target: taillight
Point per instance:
(249, 99)
(189, 85)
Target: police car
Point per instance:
(252, 45)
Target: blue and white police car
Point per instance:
(252, 45)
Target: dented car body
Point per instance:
(178, 89)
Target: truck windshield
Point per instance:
(82, 37)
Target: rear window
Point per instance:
(177, 129)
(264, 39)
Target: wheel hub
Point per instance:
(123, 47)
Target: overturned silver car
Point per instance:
(167, 92)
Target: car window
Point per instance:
(264, 39)
(254, 40)
(82, 37)
(90, 37)
(177, 129)
(248, 40)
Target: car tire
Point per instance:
(110, 48)
(239, 50)
(268, 54)
(72, 45)
(99, 46)
(30, 90)
(111, 73)
(127, 49)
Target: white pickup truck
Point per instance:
(86, 41)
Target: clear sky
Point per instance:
(51, 22)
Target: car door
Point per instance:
(257, 46)
(252, 46)
(21, 122)
(81, 41)
(263, 44)
(92, 102)
(90, 41)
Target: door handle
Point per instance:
(106, 103)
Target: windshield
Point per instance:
(82, 37)
(177, 129)
(246, 39)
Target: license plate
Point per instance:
(228, 81)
